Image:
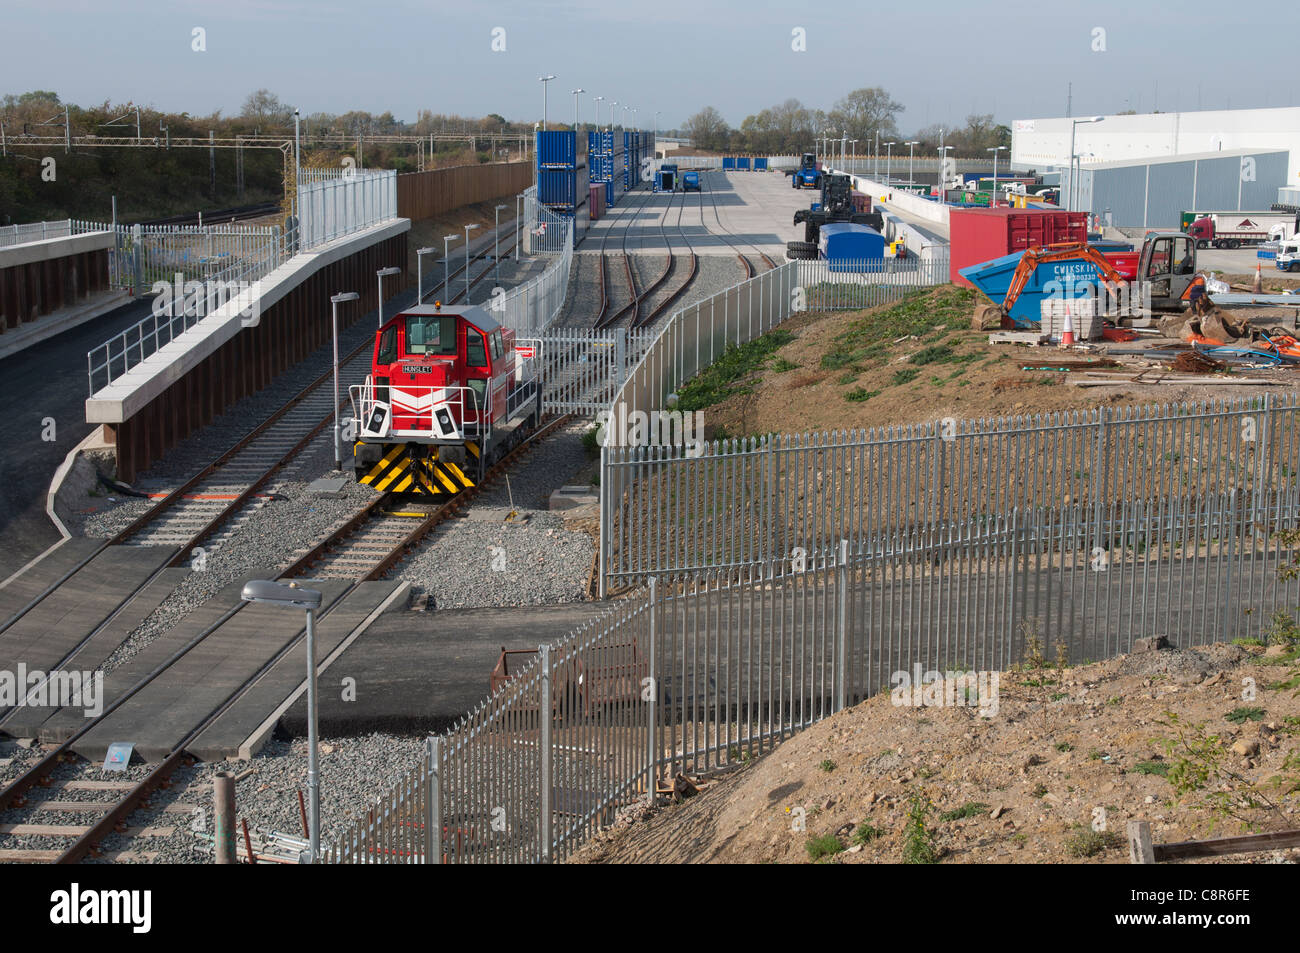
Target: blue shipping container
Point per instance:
(1075, 279)
(742, 162)
(556, 148)
(728, 162)
(557, 187)
(847, 247)
(760, 165)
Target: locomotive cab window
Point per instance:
(387, 347)
(430, 334)
(498, 349)
(475, 348)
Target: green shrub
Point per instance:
(828, 845)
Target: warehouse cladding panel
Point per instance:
(427, 194)
(1152, 193)
(288, 332)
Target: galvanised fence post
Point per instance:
(651, 691)
(433, 803)
(842, 628)
(546, 716)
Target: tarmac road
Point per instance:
(47, 380)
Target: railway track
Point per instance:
(650, 316)
(219, 216)
(606, 317)
(727, 236)
(365, 548)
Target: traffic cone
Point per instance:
(1067, 329)
(1258, 287)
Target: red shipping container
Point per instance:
(596, 201)
(982, 234)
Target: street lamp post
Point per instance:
(446, 266)
(381, 274)
(613, 103)
(1074, 126)
(943, 158)
(598, 100)
(419, 271)
(292, 596)
(496, 243)
(910, 144)
(519, 220)
(575, 115)
(544, 80)
(875, 168)
(335, 301)
(467, 231)
(889, 158)
(993, 196)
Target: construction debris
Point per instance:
(1194, 362)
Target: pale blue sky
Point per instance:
(1011, 58)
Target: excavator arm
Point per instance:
(1067, 251)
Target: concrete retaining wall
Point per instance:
(52, 277)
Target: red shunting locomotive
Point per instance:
(448, 395)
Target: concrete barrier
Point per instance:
(905, 202)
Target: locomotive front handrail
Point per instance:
(419, 412)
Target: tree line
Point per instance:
(868, 115)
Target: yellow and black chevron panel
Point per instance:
(401, 472)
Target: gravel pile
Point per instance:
(530, 560)
(482, 559)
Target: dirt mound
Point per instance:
(1065, 759)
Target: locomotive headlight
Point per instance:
(446, 426)
(378, 421)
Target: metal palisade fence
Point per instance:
(706, 673)
(42, 231)
(331, 207)
(583, 368)
(723, 505)
(202, 266)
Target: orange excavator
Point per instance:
(1167, 278)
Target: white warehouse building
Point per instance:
(1218, 160)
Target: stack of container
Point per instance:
(600, 162)
(557, 172)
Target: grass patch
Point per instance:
(865, 833)
(905, 375)
(828, 845)
(1091, 843)
(860, 394)
(922, 314)
(723, 377)
(1158, 768)
(969, 809)
(1239, 715)
(827, 765)
(781, 365)
(1064, 746)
